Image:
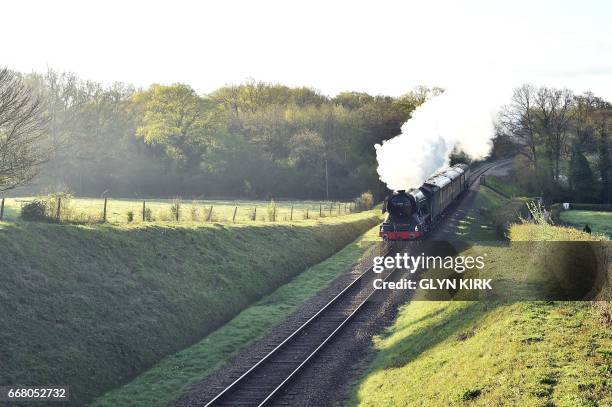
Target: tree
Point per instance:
(603, 119)
(582, 177)
(177, 119)
(22, 128)
(517, 120)
(554, 112)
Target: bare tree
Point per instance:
(22, 126)
(517, 120)
(554, 112)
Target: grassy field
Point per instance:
(172, 376)
(599, 222)
(91, 209)
(492, 353)
(100, 304)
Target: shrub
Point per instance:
(148, 215)
(58, 199)
(34, 211)
(45, 208)
(364, 202)
(130, 216)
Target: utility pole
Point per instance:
(326, 181)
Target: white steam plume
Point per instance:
(454, 118)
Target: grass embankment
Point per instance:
(492, 353)
(489, 216)
(173, 376)
(599, 222)
(93, 306)
(505, 186)
(487, 354)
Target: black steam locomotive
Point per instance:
(410, 215)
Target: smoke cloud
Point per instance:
(454, 118)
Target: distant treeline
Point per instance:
(255, 140)
(563, 142)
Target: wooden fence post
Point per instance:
(320, 210)
(291, 217)
(104, 211)
(144, 210)
(234, 217)
(178, 209)
(209, 217)
(331, 206)
(306, 213)
(255, 214)
(274, 214)
(2, 209)
(345, 207)
(59, 208)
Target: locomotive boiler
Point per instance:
(412, 214)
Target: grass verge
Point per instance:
(491, 354)
(173, 376)
(97, 305)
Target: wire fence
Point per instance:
(64, 208)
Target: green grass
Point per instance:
(599, 222)
(172, 377)
(491, 354)
(477, 224)
(505, 185)
(93, 306)
(91, 209)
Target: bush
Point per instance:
(504, 216)
(58, 199)
(364, 202)
(148, 215)
(34, 211)
(130, 217)
(45, 208)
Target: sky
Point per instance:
(380, 47)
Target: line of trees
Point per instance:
(250, 140)
(563, 143)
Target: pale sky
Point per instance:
(381, 47)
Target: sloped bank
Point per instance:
(486, 353)
(93, 306)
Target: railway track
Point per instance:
(486, 167)
(259, 385)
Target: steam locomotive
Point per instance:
(412, 214)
